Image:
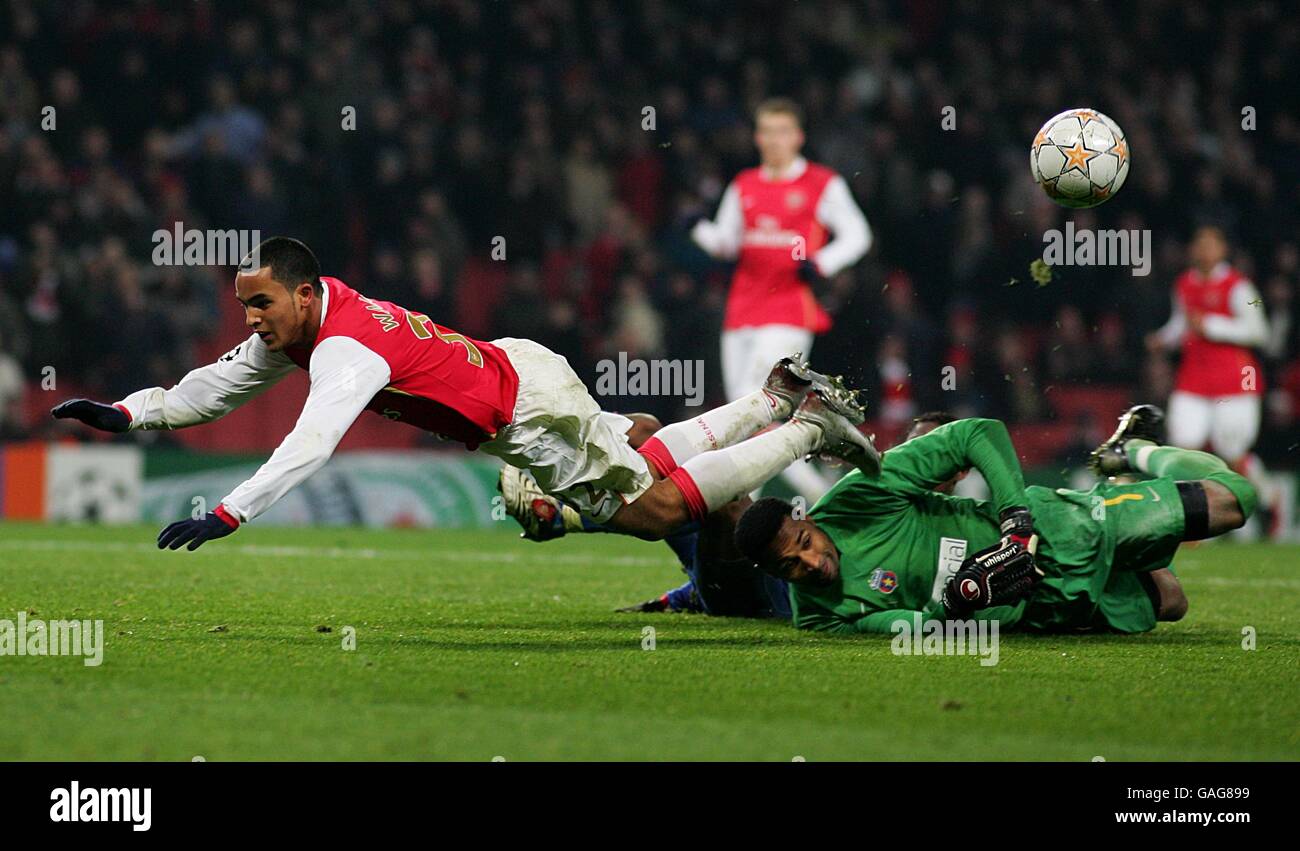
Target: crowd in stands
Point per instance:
(533, 169)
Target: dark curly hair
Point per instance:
(759, 525)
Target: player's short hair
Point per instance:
(290, 260)
(938, 418)
(1216, 224)
(758, 526)
(780, 105)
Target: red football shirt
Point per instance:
(442, 381)
(1210, 367)
(766, 288)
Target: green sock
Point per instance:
(1171, 461)
(1187, 465)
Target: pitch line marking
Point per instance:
(343, 553)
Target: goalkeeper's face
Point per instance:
(803, 554)
(279, 316)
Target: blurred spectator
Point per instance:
(12, 388)
(1070, 358)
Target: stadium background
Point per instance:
(526, 121)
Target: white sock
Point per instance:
(730, 473)
(718, 428)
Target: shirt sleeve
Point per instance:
(884, 622)
(1171, 333)
(345, 376)
(880, 622)
(721, 238)
(933, 458)
(1247, 326)
(209, 392)
(840, 214)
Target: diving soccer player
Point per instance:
(512, 398)
(874, 551)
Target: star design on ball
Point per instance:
(1077, 157)
(1120, 150)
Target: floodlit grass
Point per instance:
(473, 645)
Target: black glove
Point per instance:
(658, 604)
(1000, 575)
(215, 524)
(810, 274)
(93, 414)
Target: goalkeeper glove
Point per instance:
(999, 575)
(214, 524)
(94, 414)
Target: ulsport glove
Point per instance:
(999, 575)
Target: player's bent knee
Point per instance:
(1175, 608)
(1166, 594)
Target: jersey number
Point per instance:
(425, 328)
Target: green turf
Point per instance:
(476, 645)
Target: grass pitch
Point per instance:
(473, 645)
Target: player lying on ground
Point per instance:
(874, 550)
(512, 398)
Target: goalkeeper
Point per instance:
(872, 551)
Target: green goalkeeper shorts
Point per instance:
(1099, 543)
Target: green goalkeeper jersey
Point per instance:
(900, 541)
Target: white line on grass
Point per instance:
(344, 553)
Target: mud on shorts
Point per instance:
(575, 451)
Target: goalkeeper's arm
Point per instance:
(984, 444)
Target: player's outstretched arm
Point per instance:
(203, 395)
(345, 376)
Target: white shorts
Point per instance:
(749, 353)
(1229, 424)
(575, 451)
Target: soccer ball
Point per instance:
(1080, 158)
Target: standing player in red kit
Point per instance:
(1218, 318)
(512, 398)
(773, 221)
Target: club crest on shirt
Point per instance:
(884, 581)
(794, 199)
